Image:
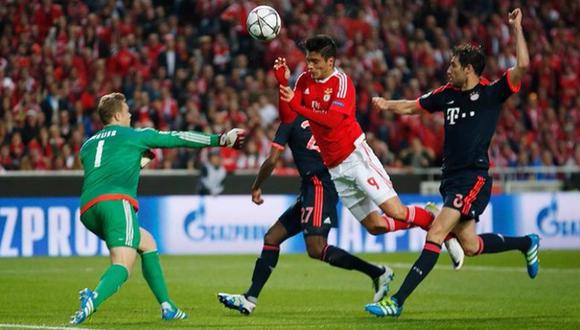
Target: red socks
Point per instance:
(394, 224)
(419, 217)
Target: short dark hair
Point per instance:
(109, 105)
(322, 44)
(470, 54)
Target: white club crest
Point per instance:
(474, 96)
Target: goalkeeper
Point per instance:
(112, 160)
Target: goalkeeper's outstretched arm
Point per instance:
(152, 138)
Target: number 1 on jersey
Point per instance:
(99, 154)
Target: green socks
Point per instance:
(153, 274)
(116, 275)
(110, 283)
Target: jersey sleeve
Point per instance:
(432, 101)
(502, 88)
(344, 96)
(151, 138)
(299, 87)
(282, 136)
(286, 114)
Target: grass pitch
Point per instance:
(491, 291)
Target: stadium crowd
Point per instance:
(190, 65)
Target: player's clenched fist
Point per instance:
(235, 138)
(515, 18)
(281, 71)
(380, 103)
(257, 196)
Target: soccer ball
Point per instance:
(263, 23)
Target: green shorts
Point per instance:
(115, 222)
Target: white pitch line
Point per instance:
(31, 326)
(45, 270)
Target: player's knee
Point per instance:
(436, 234)
(394, 209)
(471, 248)
(124, 256)
(469, 243)
(470, 252)
(129, 267)
(315, 246)
(275, 235)
(376, 229)
(314, 251)
(270, 239)
(399, 213)
(375, 224)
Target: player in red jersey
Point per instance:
(326, 97)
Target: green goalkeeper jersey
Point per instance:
(111, 159)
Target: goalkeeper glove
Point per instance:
(235, 138)
(146, 158)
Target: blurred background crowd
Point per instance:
(190, 65)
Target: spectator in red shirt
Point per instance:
(45, 15)
(86, 50)
(124, 60)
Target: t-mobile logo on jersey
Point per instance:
(452, 115)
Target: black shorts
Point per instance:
(467, 191)
(314, 212)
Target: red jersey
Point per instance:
(329, 106)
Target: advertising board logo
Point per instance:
(201, 225)
(551, 223)
(194, 226)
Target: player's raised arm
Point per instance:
(522, 55)
(282, 74)
(401, 107)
